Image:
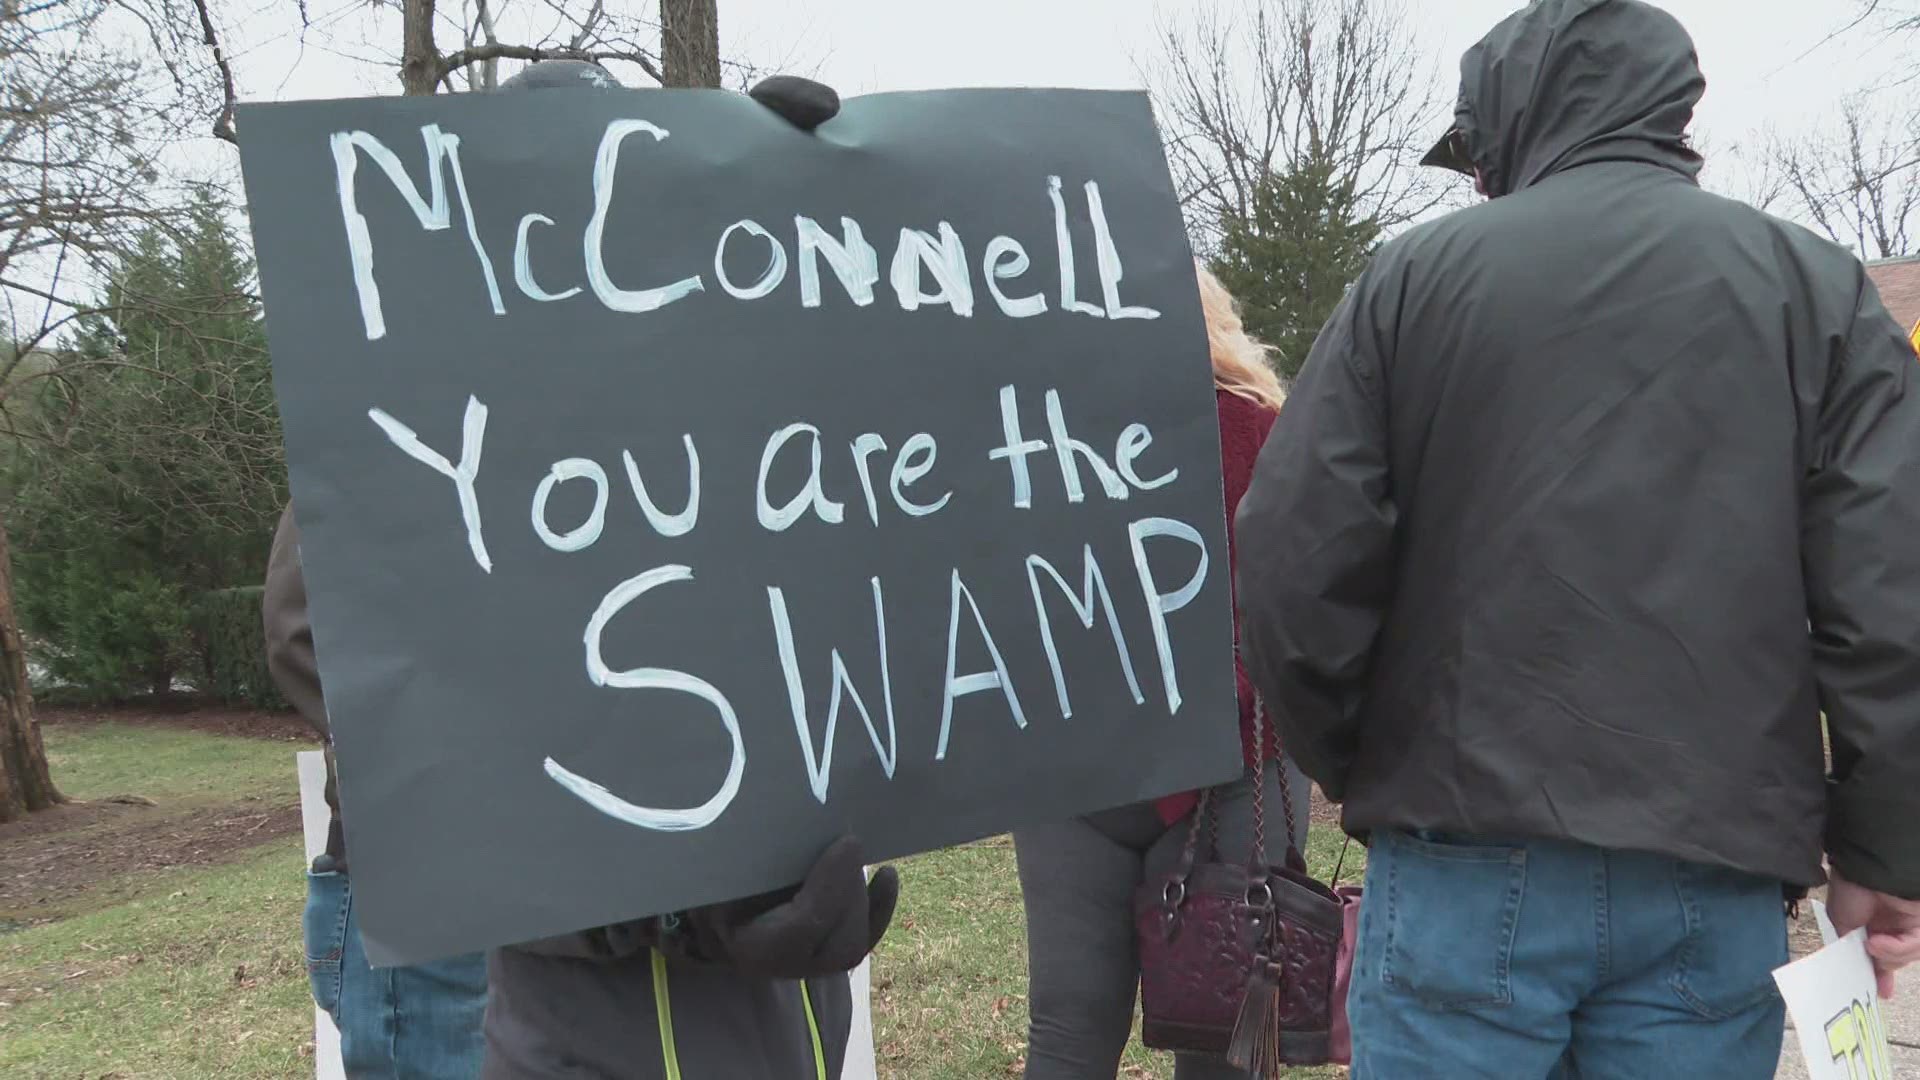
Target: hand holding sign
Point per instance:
(1892, 925)
(801, 102)
(826, 924)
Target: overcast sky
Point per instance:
(1768, 62)
(1779, 65)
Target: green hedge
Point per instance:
(229, 624)
(102, 630)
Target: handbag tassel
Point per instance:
(1255, 1045)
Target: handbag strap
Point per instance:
(1340, 863)
(1262, 722)
(1207, 813)
(1294, 857)
(1257, 860)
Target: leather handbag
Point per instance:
(1237, 959)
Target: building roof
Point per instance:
(1899, 283)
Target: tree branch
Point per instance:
(223, 124)
(1252, 88)
(479, 53)
(1857, 180)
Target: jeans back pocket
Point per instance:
(323, 926)
(1451, 913)
(1736, 935)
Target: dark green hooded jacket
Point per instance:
(1591, 499)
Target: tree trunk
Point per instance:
(419, 59)
(689, 43)
(25, 784)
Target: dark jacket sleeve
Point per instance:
(283, 609)
(1861, 546)
(1315, 533)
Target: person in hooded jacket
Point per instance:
(754, 989)
(1588, 503)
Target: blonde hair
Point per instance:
(1239, 360)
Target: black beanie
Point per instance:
(546, 74)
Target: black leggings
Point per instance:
(1083, 971)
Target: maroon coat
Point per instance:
(1243, 430)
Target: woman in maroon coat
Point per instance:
(1078, 877)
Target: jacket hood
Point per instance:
(1567, 82)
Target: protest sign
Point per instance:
(679, 490)
(1835, 1005)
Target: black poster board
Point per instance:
(505, 349)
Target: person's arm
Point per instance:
(291, 663)
(289, 634)
(1861, 550)
(1316, 532)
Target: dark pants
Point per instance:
(1549, 959)
(1077, 879)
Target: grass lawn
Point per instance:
(148, 798)
(200, 974)
(167, 765)
(196, 971)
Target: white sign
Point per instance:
(1835, 1006)
(314, 819)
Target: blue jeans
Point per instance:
(403, 1023)
(1554, 960)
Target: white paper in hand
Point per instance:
(1835, 1008)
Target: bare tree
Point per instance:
(1254, 87)
(489, 31)
(574, 32)
(66, 190)
(90, 93)
(1897, 15)
(690, 42)
(1857, 179)
(1743, 170)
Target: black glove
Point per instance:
(801, 102)
(823, 926)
